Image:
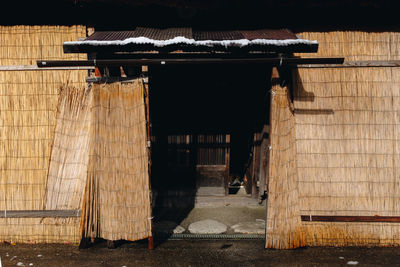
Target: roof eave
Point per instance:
(86, 48)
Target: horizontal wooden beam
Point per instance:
(201, 145)
(356, 64)
(277, 61)
(323, 218)
(36, 68)
(39, 213)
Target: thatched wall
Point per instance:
(117, 200)
(283, 221)
(347, 128)
(69, 157)
(28, 107)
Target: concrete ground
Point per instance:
(194, 253)
(229, 214)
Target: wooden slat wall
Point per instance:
(348, 140)
(28, 106)
(208, 151)
(211, 156)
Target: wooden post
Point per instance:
(151, 243)
(97, 72)
(148, 137)
(254, 163)
(227, 163)
(263, 160)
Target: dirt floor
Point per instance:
(193, 253)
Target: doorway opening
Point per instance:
(207, 132)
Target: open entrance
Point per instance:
(207, 124)
(209, 109)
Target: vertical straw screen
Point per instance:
(28, 108)
(117, 201)
(347, 127)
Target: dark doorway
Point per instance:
(204, 103)
(204, 118)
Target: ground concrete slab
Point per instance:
(256, 227)
(207, 227)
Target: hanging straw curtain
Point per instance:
(117, 202)
(70, 151)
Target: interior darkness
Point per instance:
(206, 99)
(222, 14)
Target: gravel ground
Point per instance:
(193, 253)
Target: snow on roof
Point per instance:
(189, 39)
(180, 40)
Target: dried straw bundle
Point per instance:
(117, 199)
(70, 152)
(283, 222)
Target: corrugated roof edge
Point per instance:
(180, 40)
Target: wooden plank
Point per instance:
(263, 160)
(148, 138)
(36, 68)
(39, 213)
(278, 61)
(319, 218)
(355, 64)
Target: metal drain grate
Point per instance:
(215, 236)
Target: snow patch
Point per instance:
(352, 262)
(186, 41)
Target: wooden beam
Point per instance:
(355, 64)
(322, 218)
(39, 213)
(277, 61)
(36, 68)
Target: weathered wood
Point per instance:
(39, 213)
(148, 138)
(36, 68)
(319, 218)
(200, 145)
(255, 172)
(227, 164)
(277, 61)
(151, 243)
(355, 64)
(263, 160)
